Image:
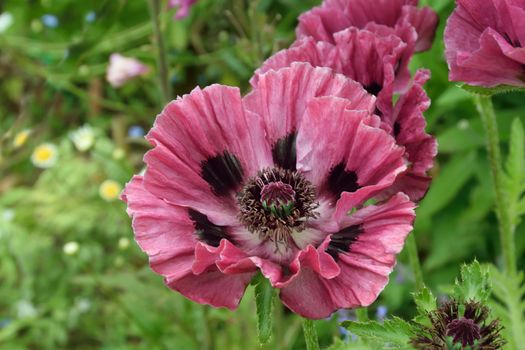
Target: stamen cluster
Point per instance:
(276, 203)
(466, 325)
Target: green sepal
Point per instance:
(500, 89)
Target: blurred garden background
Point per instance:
(71, 276)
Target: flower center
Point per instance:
(278, 198)
(276, 203)
(464, 331)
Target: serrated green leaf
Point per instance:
(264, 295)
(393, 333)
(425, 300)
(474, 284)
(500, 89)
(509, 306)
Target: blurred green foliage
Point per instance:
(103, 295)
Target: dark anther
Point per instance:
(340, 180)
(223, 172)
(464, 331)
(341, 241)
(397, 129)
(283, 152)
(205, 230)
(373, 88)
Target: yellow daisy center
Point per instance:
(110, 190)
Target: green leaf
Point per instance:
(394, 333)
(447, 184)
(458, 139)
(425, 300)
(515, 169)
(264, 295)
(474, 284)
(500, 89)
(509, 306)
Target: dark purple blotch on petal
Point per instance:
(223, 172)
(284, 152)
(205, 230)
(397, 129)
(341, 180)
(341, 241)
(373, 88)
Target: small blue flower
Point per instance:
(50, 21)
(136, 131)
(381, 312)
(91, 16)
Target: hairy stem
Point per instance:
(161, 53)
(362, 314)
(310, 335)
(488, 117)
(415, 264)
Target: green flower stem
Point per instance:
(310, 335)
(414, 261)
(362, 314)
(488, 118)
(161, 53)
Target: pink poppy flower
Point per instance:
(485, 42)
(351, 56)
(406, 122)
(265, 183)
(332, 16)
(184, 7)
(121, 69)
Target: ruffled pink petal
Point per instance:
(213, 288)
(321, 23)
(166, 233)
(407, 123)
(378, 61)
(161, 229)
(281, 97)
(413, 185)
(425, 22)
(480, 46)
(307, 296)
(318, 54)
(361, 12)
(169, 178)
(344, 138)
(324, 21)
(363, 270)
(191, 130)
(489, 66)
(208, 122)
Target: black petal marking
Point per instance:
(205, 230)
(223, 172)
(374, 88)
(397, 129)
(341, 241)
(283, 152)
(340, 180)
